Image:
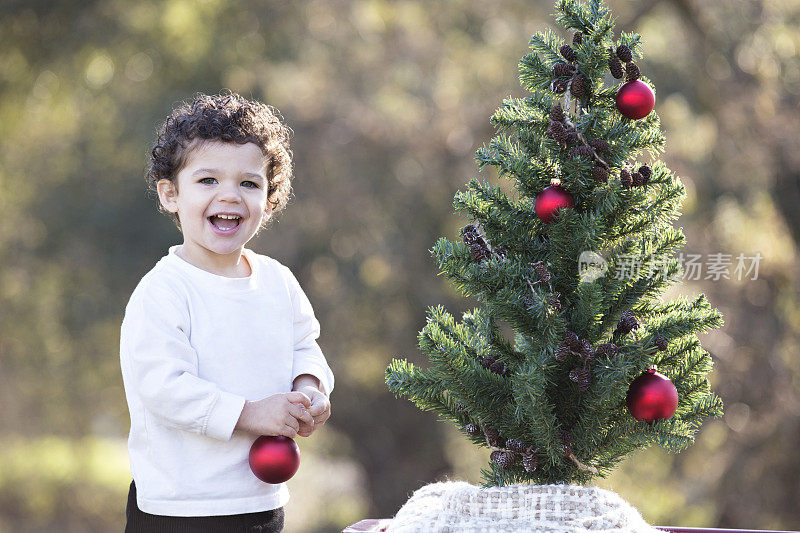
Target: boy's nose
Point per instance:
(230, 193)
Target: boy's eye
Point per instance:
(254, 184)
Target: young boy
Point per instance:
(218, 344)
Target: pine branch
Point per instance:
(593, 19)
(545, 46)
(638, 213)
(420, 387)
(678, 350)
(507, 223)
(530, 385)
(679, 304)
(462, 374)
(678, 323)
(484, 330)
(588, 314)
(518, 114)
(516, 163)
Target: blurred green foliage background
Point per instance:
(388, 102)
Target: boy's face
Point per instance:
(218, 178)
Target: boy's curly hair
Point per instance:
(226, 117)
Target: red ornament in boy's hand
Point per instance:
(274, 459)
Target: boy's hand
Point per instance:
(279, 414)
(320, 410)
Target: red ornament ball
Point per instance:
(274, 459)
(550, 200)
(635, 99)
(652, 396)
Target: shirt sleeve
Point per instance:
(308, 357)
(163, 368)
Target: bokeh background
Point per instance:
(388, 102)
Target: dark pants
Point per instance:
(140, 522)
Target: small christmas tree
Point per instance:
(574, 261)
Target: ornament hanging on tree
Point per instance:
(652, 396)
(550, 200)
(274, 459)
(635, 99)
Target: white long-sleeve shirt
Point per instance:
(194, 346)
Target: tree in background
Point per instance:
(576, 390)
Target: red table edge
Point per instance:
(380, 524)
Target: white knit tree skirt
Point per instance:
(459, 507)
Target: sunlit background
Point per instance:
(388, 102)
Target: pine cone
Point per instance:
(627, 322)
(630, 319)
(516, 445)
(584, 379)
(479, 252)
(587, 350)
(661, 342)
(568, 53)
(557, 132)
(541, 271)
(645, 171)
(573, 137)
(499, 367)
(504, 459)
(577, 38)
(600, 174)
(625, 178)
(581, 151)
(495, 456)
(614, 65)
(579, 87)
(599, 144)
(579, 374)
(607, 349)
(566, 441)
(472, 430)
(529, 461)
(554, 301)
(558, 85)
(562, 352)
(624, 53)
(638, 179)
(562, 70)
(632, 72)
(487, 361)
(626, 315)
(470, 234)
(557, 113)
(492, 436)
(571, 340)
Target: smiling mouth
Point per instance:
(224, 224)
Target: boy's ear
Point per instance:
(167, 194)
